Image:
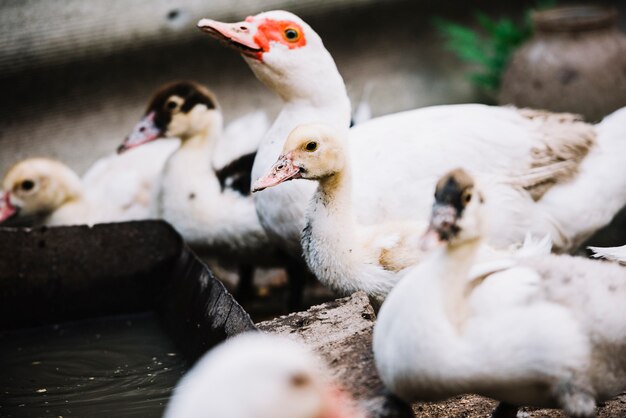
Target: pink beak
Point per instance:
(238, 35)
(7, 210)
(442, 226)
(429, 240)
(144, 131)
(284, 169)
(339, 404)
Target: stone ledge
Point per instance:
(341, 333)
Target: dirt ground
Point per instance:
(472, 406)
(341, 332)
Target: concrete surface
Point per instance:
(73, 102)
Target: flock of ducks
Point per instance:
(465, 307)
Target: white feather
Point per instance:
(610, 253)
(530, 328)
(397, 158)
(254, 375)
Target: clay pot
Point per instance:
(575, 62)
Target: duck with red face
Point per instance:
(253, 36)
(288, 56)
(397, 158)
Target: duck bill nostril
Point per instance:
(283, 170)
(238, 35)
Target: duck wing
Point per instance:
(564, 140)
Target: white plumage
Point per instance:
(203, 191)
(610, 253)
(546, 331)
(343, 253)
(562, 177)
(259, 376)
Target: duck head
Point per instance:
(260, 376)
(457, 212)
(182, 110)
(312, 151)
(37, 187)
(284, 52)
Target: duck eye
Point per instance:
(27, 185)
(299, 380)
(291, 34)
(467, 196)
(171, 105)
(311, 146)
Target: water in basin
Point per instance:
(113, 366)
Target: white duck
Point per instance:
(256, 375)
(571, 173)
(114, 189)
(345, 255)
(205, 197)
(547, 331)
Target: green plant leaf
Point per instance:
(491, 46)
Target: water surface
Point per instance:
(106, 367)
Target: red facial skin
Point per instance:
(240, 36)
(275, 31)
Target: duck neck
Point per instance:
(335, 190)
(455, 262)
(312, 78)
(72, 208)
(187, 166)
(68, 192)
(310, 93)
(329, 238)
(202, 142)
(193, 156)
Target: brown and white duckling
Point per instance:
(208, 205)
(546, 331)
(257, 375)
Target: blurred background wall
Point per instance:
(76, 74)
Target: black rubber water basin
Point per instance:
(103, 321)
